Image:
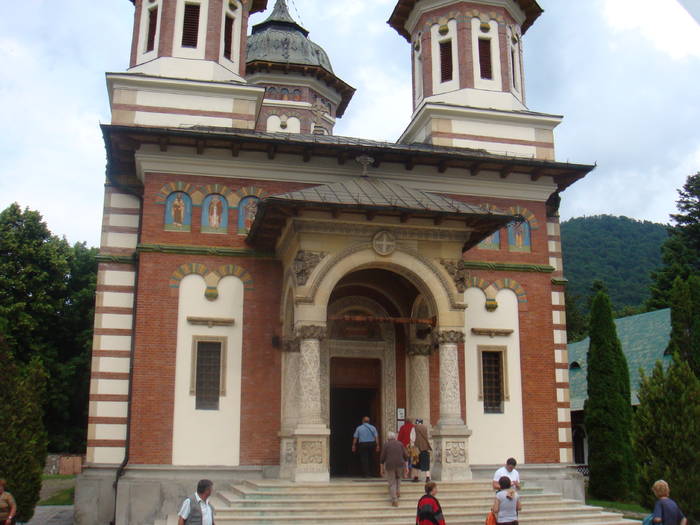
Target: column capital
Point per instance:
(424, 349)
(311, 332)
(454, 337)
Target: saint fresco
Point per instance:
(178, 212)
(214, 214)
(519, 237)
(247, 209)
(492, 242)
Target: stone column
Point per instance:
(451, 436)
(419, 381)
(290, 408)
(311, 433)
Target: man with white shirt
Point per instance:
(196, 510)
(508, 471)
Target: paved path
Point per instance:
(53, 516)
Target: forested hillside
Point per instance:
(619, 251)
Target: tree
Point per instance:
(576, 321)
(608, 410)
(685, 321)
(23, 439)
(47, 293)
(681, 251)
(665, 431)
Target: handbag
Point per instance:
(490, 519)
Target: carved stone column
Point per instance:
(451, 436)
(290, 407)
(311, 448)
(450, 399)
(419, 381)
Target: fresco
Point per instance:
(214, 214)
(492, 242)
(178, 212)
(519, 237)
(247, 209)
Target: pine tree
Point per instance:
(685, 322)
(23, 439)
(608, 410)
(665, 431)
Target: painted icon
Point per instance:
(214, 214)
(247, 210)
(178, 212)
(519, 237)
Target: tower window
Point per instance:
(514, 69)
(446, 61)
(228, 37)
(152, 25)
(208, 372)
(190, 25)
(492, 381)
(485, 59)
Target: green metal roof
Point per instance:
(644, 339)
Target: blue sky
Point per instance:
(624, 73)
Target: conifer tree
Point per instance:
(23, 439)
(665, 431)
(608, 410)
(685, 321)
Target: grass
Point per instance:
(616, 505)
(58, 476)
(64, 497)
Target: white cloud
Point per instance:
(663, 22)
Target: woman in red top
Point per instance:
(429, 511)
(404, 437)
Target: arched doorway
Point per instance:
(363, 365)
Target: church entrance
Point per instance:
(355, 392)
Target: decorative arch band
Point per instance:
(171, 187)
(211, 277)
(527, 214)
(511, 284)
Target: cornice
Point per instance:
(116, 259)
(508, 267)
(216, 251)
(424, 7)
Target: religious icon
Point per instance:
(246, 214)
(178, 212)
(519, 237)
(214, 214)
(492, 242)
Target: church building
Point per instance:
(264, 283)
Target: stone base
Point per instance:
(559, 478)
(146, 492)
(451, 453)
(311, 450)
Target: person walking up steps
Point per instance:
(365, 441)
(507, 503)
(393, 465)
(419, 435)
(429, 511)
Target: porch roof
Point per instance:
(371, 196)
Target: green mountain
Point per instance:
(619, 251)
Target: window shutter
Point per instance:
(485, 59)
(152, 25)
(190, 25)
(228, 37)
(446, 61)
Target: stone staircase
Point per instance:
(346, 502)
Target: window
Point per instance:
(152, 25)
(207, 381)
(492, 383)
(190, 25)
(446, 61)
(513, 69)
(485, 58)
(228, 37)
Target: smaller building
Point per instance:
(644, 339)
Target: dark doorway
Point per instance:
(355, 393)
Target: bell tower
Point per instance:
(187, 66)
(468, 76)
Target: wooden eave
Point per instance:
(345, 90)
(122, 142)
(403, 10)
(273, 213)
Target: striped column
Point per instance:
(114, 310)
(561, 356)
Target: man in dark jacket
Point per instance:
(393, 466)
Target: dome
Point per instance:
(280, 39)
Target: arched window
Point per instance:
(247, 209)
(215, 214)
(231, 32)
(296, 95)
(272, 92)
(285, 94)
(519, 236)
(178, 212)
